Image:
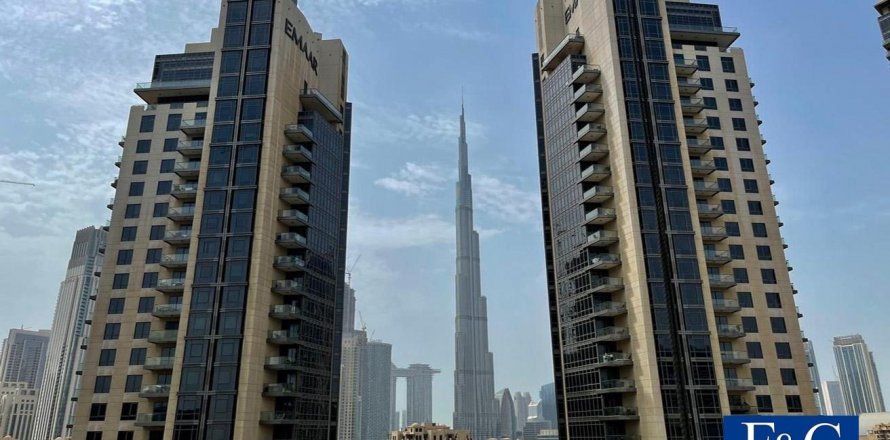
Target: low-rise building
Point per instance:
(430, 431)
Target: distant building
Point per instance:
(883, 7)
(506, 427)
(874, 426)
(535, 422)
(520, 402)
(879, 432)
(858, 375)
(418, 395)
(351, 364)
(376, 391)
(548, 402)
(429, 431)
(24, 357)
(74, 307)
(814, 374)
(548, 434)
(833, 397)
(18, 401)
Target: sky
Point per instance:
(68, 67)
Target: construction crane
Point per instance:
(351, 268)
(12, 182)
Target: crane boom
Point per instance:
(11, 182)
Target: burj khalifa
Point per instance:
(474, 402)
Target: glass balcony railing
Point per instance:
(187, 167)
(159, 363)
(175, 260)
(734, 357)
(730, 330)
(162, 336)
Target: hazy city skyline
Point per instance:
(400, 223)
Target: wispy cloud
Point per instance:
(452, 30)
(506, 201)
(410, 128)
(415, 180)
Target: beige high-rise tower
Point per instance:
(670, 298)
(219, 309)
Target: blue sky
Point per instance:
(69, 66)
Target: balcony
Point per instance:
(281, 363)
(602, 238)
(190, 148)
(167, 311)
(695, 126)
(293, 218)
(585, 74)
(709, 212)
(155, 392)
(609, 309)
(721, 36)
(600, 216)
(297, 153)
(118, 162)
(171, 285)
(284, 312)
(299, 133)
(175, 261)
(114, 182)
(163, 336)
(588, 93)
(314, 100)
(735, 384)
(296, 174)
(280, 390)
(739, 407)
(153, 92)
(283, 337)
(288, 287)
(699, 147)
(616, 386)
(726, 306)
(155, 420)
(185, 191)
(711, 234)
(593, 152)
(619, 413)
(591, 132)
(721, 282)
(590, 112)
(110, 204)
(291, 240)
(182, 214)
(717, 258)
(159, 363)
(735, 358)
(688, 86)
(279, 418)
(595, 173)
(598, 194)
(730, 331)
(571, 44)
(606, 285)
(610, 360)
(187, 169)
(603, 262)
(706, 189)
(692, 106)
(290, 264)
(611, 334)
(193, 127)
(178, 238)
(701, 168)
(294, 196)
(685, 67)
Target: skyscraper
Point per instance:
(547, 405)
(74, 307)
(834, 398)
(858, 375)
(23, 358)
(418, 394)
(376, 392)
(353, 357)
(474, 405)
(18, 400)
(814, 375)
(219, 312)
(670, 298)
(521, 401)
(506, 414)
(883, 7)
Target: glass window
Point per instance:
(258, 59)
(749, 323)
(228, 86)
(133, 384)
(136, 189)
(728, 64)
(717, 142)
(153, 256)
(740, 274)
(758, 376)
(707, 83)
(125, 435)
(250, 131)
(157, 232)
(745, 299)
(97, 412)
(794, 404)
(728, 206)
(137, 356)
(160, 210)
(140, 167)
(768, 275)
(106, 357)
(789, 377)
(724, 184)
(737, 252)
(115, 306)
(124, 257)
(713, 122)
(746, 164)
(234, 36)
(112, 331)
(759, 229)
(732, 85)
(173, 122)
(751, 186)
(128, 412)
(721, 164)
(778, 325)
(230, 62)
(764, 253)
(710, 103)
(248, 154)
(783, 350)
(735, 104)
(132, 210)
(171, 144)
(755, 207)
(738, 124)
(141, 330)
(146, 304)
(255, 84)
(252, 109)
(732, 229)
(143, 146)
(147, 125)
(262, 10)
(164, 187)
(764, 403)
(773, 300)
(704, 63)
(149, 280)
(743, 144)
(120, 281)
(754, 350)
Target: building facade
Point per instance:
(671, 303)
(834, 398)
(418, 394)
(475, 409)
(506, 415)
(883, 7)
(858, 375)
(521, 400)
(219, 312)
(375, 391)
(353, 359)
(814, 375)
(429, 431)
(23, 359)
(74, 308)
(547, 406)
(18, 402)
(535, 422)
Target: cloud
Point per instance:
(506, 201)
(368, 233)
(453, 31)
(415, 180)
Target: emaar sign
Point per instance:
(790, 428)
